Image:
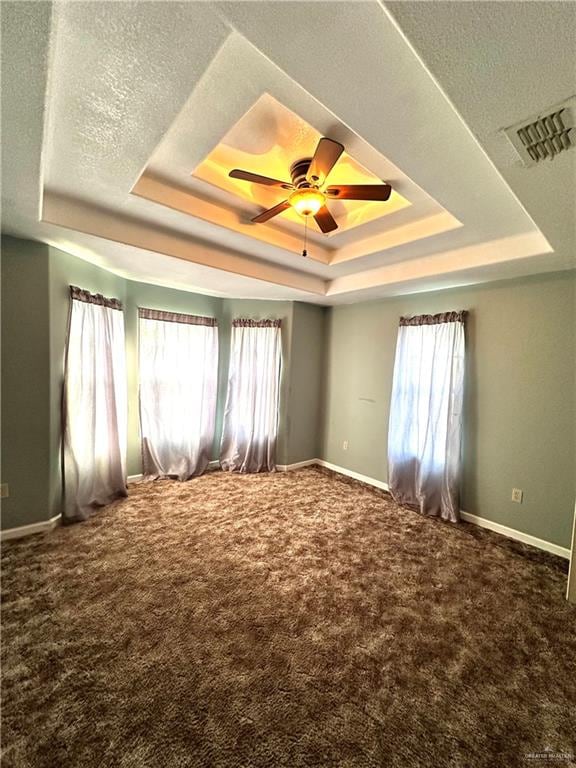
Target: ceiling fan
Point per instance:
(308, 195)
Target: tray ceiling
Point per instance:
(129, 132)
(267, 140)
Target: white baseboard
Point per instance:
(27, 530)
(296, 465)
(355, 475)
(483, 522)
(512, 533)
(571, 586)
(134, 478)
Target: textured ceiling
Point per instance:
(500, 63)
(109, 108)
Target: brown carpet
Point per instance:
(291, 619)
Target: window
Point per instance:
(251, 415)
(178, 358)
(95, 404)
(426, 413)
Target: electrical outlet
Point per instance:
(4, 491)
(517, 495)
(345, 445)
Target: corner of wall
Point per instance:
(25, 382)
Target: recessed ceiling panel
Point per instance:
(263, 124)
(267, 140)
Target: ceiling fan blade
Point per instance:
(237, 173)
(325, 158)
(325, 220)
(268, 214)
(359, 192)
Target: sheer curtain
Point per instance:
(425, 428)
(95, 405)
(251, 415)
(178, 387)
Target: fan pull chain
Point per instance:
(305, 252)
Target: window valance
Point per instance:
(245, 323)
(442, 317)
(175, 317)
(79, 294)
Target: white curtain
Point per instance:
(425, 428)
(178, 388)
(251, 415)
(95, 405)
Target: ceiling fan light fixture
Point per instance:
(308, 174)
(307, 202)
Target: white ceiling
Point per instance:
(94, 94)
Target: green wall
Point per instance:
(25, 382)
(519, 408)
(35, 305)
(306, 383)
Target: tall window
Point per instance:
(251, 415)
(424, 434)
(178, 387)
(95, 404)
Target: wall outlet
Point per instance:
(345, 445)
(4, 491)
(517, 495)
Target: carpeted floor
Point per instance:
(292, 619)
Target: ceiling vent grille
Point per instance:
(544, 136)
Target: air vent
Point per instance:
(545, 136)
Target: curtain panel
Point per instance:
(94, 404)
(178, 362)
(252, 403)
(424, 436)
